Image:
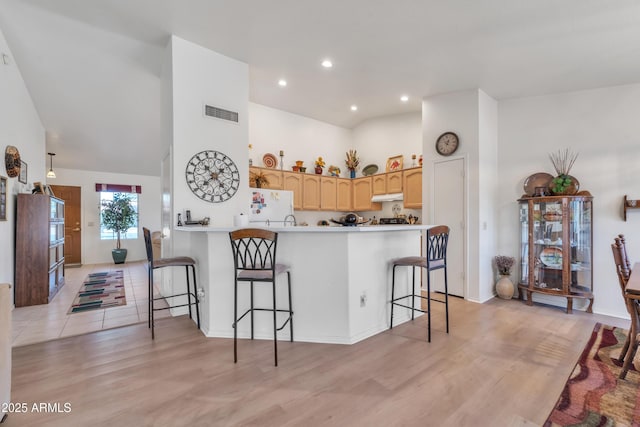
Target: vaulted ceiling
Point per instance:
(93, 66)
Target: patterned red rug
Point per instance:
(593, 394)
(100, 290)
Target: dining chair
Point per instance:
(254, 259)
(154, 264)
(623, 271)
(435, 259)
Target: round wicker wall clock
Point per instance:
(212, 176)
(12, 161)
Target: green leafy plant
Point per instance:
(560, 184)
(118, 215)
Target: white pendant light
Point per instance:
(51, 173)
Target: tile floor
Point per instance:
(50, 321)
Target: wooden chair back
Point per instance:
(254, 249)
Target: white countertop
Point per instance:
(310, 228)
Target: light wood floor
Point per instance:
(503, 364)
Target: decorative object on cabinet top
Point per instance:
(564, 183)
(12, 161)
(352, 161)
(369, 170)
(334, 170)
(269, 160)
(394, 163)
(537, 180)
(258, 179)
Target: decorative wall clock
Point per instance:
(212, 176)
(447, 143)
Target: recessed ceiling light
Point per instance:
(282, 82)
(404, 98)
(327, 63)
(354, 108)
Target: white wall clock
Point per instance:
(212, 176)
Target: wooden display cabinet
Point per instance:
(39, 264)
(556, 248)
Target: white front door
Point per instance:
(449, 209)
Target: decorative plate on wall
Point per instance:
(269, 160)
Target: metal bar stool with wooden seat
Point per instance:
(154, 264)
(435, 259)
(254, 259)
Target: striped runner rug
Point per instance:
(100, 290)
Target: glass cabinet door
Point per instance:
(547, 243)
(524, 242)
(581, 241)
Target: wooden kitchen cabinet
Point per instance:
(292, 181)
(328, 193)
(379, 184)
(394, 182)
(273, 176)
(344, 200)
(310, 192)
(412, 188)
(39, 262)
(362, 193)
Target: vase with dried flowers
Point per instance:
(504, 285)
(352, 162)
(564, 183)
(258, 180)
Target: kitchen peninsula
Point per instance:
(340, 276)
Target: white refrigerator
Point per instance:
(270, 207)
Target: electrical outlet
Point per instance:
(363, 299)
(200, 293)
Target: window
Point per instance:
(131, 233)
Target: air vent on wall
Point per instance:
(220, 113)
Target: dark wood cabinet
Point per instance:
(39, 262)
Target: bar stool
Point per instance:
(254, 259)
(169, 262)
(435, 259)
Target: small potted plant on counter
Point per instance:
(118, 215)
(504, 286)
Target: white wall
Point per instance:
(201, 76)
(603, 126)
(94, 250)
(301, 138)
(20, 126)
(378, 139)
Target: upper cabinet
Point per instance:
(412, 186)
(344, 201)
(362, 193)
(329, 193)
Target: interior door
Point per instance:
(449, 209)
(72, 197)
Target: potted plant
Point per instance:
(258, 180)
(504, 286)
(319, 165)
(118, 215)
(562, 162)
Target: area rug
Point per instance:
(593, 394)
(100, 290)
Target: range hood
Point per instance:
(391, 197)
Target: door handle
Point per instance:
(76, 229)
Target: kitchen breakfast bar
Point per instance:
(341, 280)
